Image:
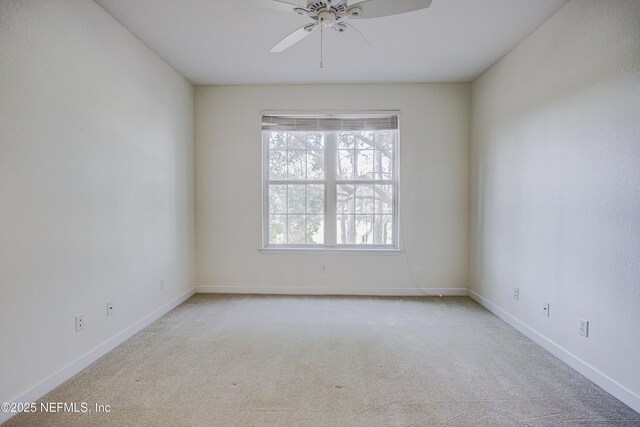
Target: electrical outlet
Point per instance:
(79, 322)
(583, 327)
(323, 268)
(545, 308)
(516, 294)
(109, 308)
(162, 284)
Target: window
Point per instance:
(330, 181)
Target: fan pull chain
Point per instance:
(321, 50)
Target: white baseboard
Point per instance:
(270, 290)
(50, 383)
(614, 388)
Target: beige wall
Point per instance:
(556, 184)
(434, 189)
(96, 184)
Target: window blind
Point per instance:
(327, 124)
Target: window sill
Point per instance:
(330, 251)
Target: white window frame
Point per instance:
(330, 182)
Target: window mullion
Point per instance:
(330, 190)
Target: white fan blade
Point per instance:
(294, 37)
(379, 8)
(280, 5)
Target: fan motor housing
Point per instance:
(335, 7)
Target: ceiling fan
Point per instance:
(329, 14)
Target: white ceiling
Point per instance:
(218, 42)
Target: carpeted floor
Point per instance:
(318, 361)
